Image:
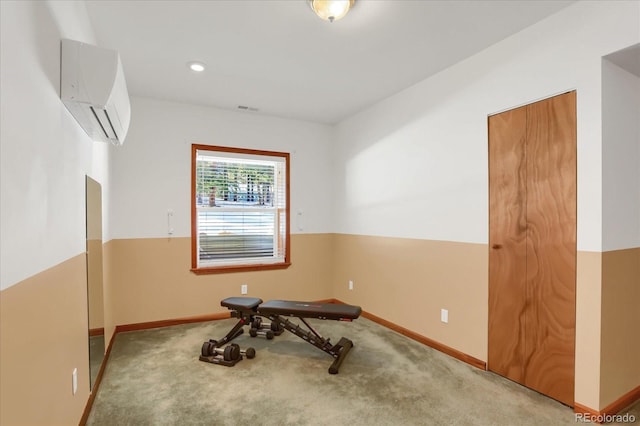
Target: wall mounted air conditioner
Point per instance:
(93, 88)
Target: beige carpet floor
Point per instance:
(154, 377)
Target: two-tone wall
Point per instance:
(411, 193)
(620, 349)
(394, 199)
(149, 276)
(44, 157)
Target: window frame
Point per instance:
(237, 267)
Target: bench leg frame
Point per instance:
(338, 351)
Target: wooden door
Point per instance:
(507, 242)
(532, 238)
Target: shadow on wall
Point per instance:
(47, 34)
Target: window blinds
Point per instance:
(240, 208)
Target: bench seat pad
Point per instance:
(333, 311)
(241, 303)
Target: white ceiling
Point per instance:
(278, 57)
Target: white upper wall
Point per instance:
(620, 158)
(416, 165)
(151, 172)
(44, 154)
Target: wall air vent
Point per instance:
(248, 108)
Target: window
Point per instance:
(239, 209)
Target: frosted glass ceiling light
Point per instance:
(331, 10)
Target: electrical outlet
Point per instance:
(350, 285)
(243, 289)
(444, 315)
(74, 381)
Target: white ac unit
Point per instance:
(93, 88)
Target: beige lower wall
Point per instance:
(588, 304)
(43, 320)
(620, 349)
(407, 282)
(43, 337)
(150, 279)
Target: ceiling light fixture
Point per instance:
(196, 66)
(331, 10)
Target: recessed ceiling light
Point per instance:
(196, 66)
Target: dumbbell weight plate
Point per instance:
(207, 349)
(256, 323)
(232, 352)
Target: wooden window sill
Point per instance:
(240, 268)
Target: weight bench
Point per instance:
(250, 310)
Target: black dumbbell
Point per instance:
(229, 353)
(275, 327)
(249, 352)
(260, 332)
(258, 324)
